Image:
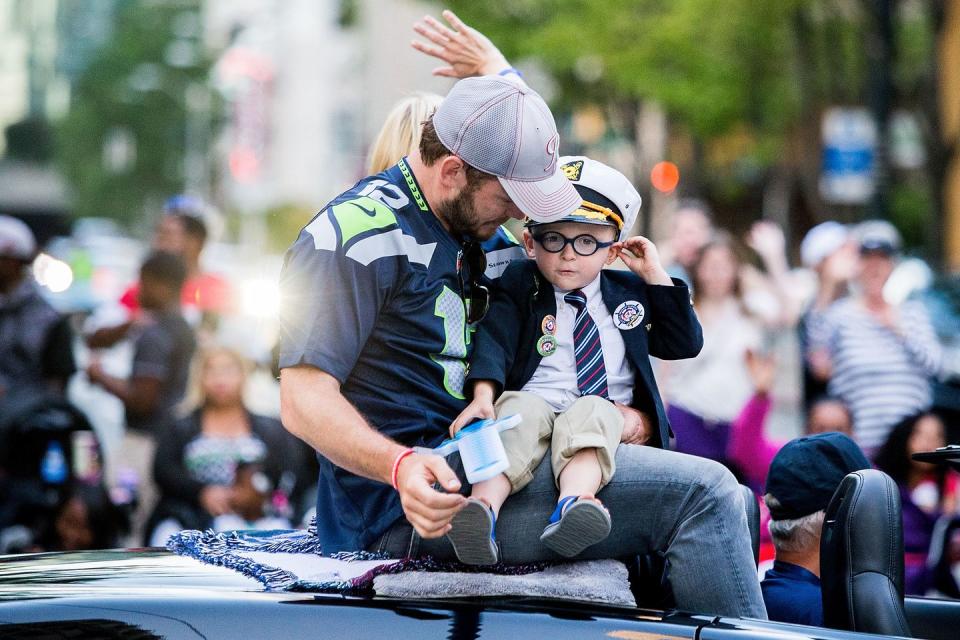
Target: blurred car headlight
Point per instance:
(260, 298)
(55, 275)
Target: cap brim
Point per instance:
(546, 200)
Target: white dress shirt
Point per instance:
(555, 379)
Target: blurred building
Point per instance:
(31, 83)
(307, 84)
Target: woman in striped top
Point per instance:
(876, 356)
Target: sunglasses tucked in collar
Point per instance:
(476, 295)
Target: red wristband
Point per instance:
(396, 466)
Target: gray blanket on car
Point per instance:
(292, 561)
(594, 580)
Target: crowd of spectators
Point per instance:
(864, 363)
(192, 455)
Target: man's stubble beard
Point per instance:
(462, 217)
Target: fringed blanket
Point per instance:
(291, 561)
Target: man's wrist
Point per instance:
(397, 461)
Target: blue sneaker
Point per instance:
(473, 535)
(575, 525)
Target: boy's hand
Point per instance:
(641, 256)
(479, 408)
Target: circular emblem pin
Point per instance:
(546, 346)
(628, 315)
(549, 325)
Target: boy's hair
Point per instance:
(165, 267)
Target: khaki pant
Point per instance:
(590, 423)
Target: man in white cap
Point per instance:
(36, 352)
(379, 294)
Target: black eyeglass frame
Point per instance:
(477, 303)
(539, 237)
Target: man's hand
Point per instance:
(466, 51)
(637, 426)
(821, 364)
(641, 256)
(428, 510)
(95, 372)
(215, 499)
(887, 317)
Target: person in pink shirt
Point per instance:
(749, 448)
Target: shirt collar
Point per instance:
(795, 572)
(591, 290)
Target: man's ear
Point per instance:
(528, 243)
(452, 174)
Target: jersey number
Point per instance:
(452, 359)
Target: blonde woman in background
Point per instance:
(400, 133)
(220, 465)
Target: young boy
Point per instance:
(567, 347)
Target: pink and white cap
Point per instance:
(503, 127)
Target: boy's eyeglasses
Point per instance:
(476, 296)
(584, 244)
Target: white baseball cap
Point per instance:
(821, 242)
(16, 239)
(878, 236)
(607, 196)
(503, 127)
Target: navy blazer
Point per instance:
(505, 348)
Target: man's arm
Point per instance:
(106, 337)
(313, 409)
(140, 395)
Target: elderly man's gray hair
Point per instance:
(800, 534)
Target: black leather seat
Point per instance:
(753, 520)
(861, 556)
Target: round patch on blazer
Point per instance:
(549, 326)
(628, 315)
(546, 346)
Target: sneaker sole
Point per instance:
(582, 525)
(470, 535)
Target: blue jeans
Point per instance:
(687, 508)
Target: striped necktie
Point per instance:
(591, 374)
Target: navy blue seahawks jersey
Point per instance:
(371, 296)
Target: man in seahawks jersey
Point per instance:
(379, 292)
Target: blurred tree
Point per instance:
(122, 144)
(284, 223)
(744, 85)
(29, 140)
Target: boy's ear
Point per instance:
(528, 243)
(613, 252)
